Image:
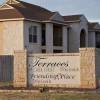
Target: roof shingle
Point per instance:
(93, 25)
(72, 18)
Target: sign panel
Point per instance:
(54, 70)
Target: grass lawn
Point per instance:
(48, 96)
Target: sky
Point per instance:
(90, 8)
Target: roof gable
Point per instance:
(5, 6)
(83, 18)
(12, 1)
(57, 17)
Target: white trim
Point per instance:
(7, 2)
(55, 22)
(13, 19)
(16, 19)
(10, 7)
(32, 20)
(48, 21)
(73, 21)
(19, 19)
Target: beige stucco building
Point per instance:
(36, 29)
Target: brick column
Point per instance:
(49, 37)
(64, 31)
(20, 69)
(87, 68)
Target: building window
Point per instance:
(57, 51)
(43, 36)
(83, 39)
(97, 40)
(33, 34)
(68, 38)
(57, 35)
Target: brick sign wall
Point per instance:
(69, 70)
(54, 70)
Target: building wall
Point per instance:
(91, 39)
(84, 25)
(32, 47)
(16, 33)
(11, 37)
(74, 35)
(1, 37)
(74, 42)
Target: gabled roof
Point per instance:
(22, 9)
(72, 18)
(57, 17)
